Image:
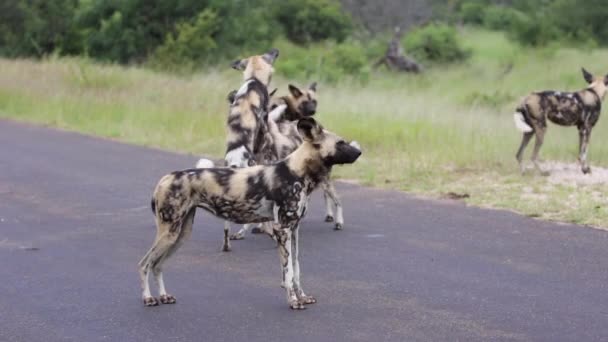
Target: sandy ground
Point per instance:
(570, 174)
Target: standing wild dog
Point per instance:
(581, 108)
(247, 135)
(275, 193)
(285, 136)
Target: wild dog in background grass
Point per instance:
(275, 193)
(247, 141)
(301, 103)
(581, 108)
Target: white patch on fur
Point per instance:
(276, 113)
(243, 89)
(204, 164)
(236, 157)
(520, 123)
(355, 145)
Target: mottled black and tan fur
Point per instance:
(275, 193)
(248, 142)
(301, 103)
(581, 109)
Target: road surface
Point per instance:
(75, 220)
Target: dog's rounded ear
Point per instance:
(606, 80)
(231, 96)
(239, 64)
(313, 86)
(271, 56)
(308, 128)
(295, 91)
(271, 94)
(587, 76)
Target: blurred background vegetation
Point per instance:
(156, 73)
(340, 37)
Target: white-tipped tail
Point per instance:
(204, 164)
(520, 123)
(275, 114)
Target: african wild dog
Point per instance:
(301, 104)
(581, 108)
(247, 138)
(275, 193)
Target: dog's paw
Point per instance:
(167, 299)
(586, 170)
(150, 301)
(338, 226)
(226, 248)
(237, 236)
(329, 218)
(296, 306)
(307, 300)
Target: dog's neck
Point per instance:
(259, 70)
(306, 162)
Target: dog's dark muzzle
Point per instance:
(347, 154)
(309, 109)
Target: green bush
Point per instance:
(472, 12)
(191, 46)
(502, 18)
(36, 27)
(306, 21)
(534, 31)
(325, 62)
(436, 43)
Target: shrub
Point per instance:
(534, 31)
(436, 43)
(501, 18)
(325, 62)
(192, 45)
(306, 21)
(472, 12)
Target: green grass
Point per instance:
(449, 129)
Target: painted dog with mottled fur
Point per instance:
(275, 193)
(301, 103)
(247, 139)
(581, 109)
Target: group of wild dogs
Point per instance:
(277, 154)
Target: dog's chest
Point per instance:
(293, 200)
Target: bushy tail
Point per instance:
(520, 121)
(204, 164)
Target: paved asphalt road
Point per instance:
(74, 221)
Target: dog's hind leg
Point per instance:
(333, 200)
(583, 135)
(302, 297)
(520, 152)
(540, 136)
(284, 236)
(227, 237)
(184, 234)
(166, 242)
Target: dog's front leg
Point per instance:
(584, 134)
(332, 199)
(302, 297)
(284, 236)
